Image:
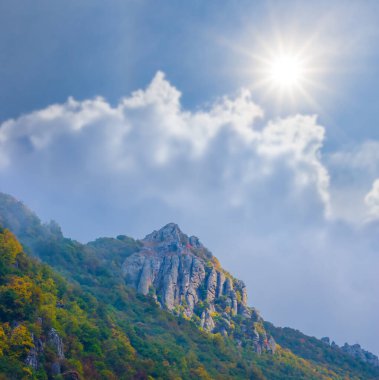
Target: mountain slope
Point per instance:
(164, 337)
(317, 351)
(39, 310)
(49, 328)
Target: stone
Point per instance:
(32, 356)
(358, 352)
(56, 342)
(211, 286)
(181, 274)
(207, 322)
(271, 345)
(56, 368)
(245, 311)
(325, 340)
(220, 284)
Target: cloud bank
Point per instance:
(147, 141)
(258, 192)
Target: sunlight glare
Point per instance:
(286, 71)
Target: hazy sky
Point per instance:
(120, 117)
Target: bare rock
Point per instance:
(211, 286)
(184, 277)
(207, 322)
(32, 357)
(358, 352)
(220, 284)
(56, 342)
(326, 340)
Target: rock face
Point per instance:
(185, 278)
(181, 272)
(32, 357)
(354, 350)
(55, 341)
(358, 352)
(35, 353)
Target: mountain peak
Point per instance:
(185, 278)
(170, 238)
(169, 233)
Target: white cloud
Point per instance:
(148, 138)
(372, 201)
(301, 139)
(363, 156)
(353, 169)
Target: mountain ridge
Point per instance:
(96, 268)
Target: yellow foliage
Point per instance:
(76, 365)
(200, 373)
(22, 286)
(9, 246)
(121, 337)
(48, 312)
(28, 374)
(216, 263)
(21, 341)
(259, 327)
(107, 374)
(3, 341)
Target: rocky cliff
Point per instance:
(355, 351)
(185, 278)
(37, 351)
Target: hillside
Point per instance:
(128, 309)
(51, 329)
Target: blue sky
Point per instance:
(121, 117)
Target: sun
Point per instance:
(286, 71)
(289, 72)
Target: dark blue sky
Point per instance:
(285, 191)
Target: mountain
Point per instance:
(161, 307)
(184, 277)
(51, 329)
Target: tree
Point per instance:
(20, 341)
(9, 247)
(3, 341)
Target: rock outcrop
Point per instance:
(358, 352)
(181, 272)
(354, 350)
(55, 341)
(32, 359)
(185, 278)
